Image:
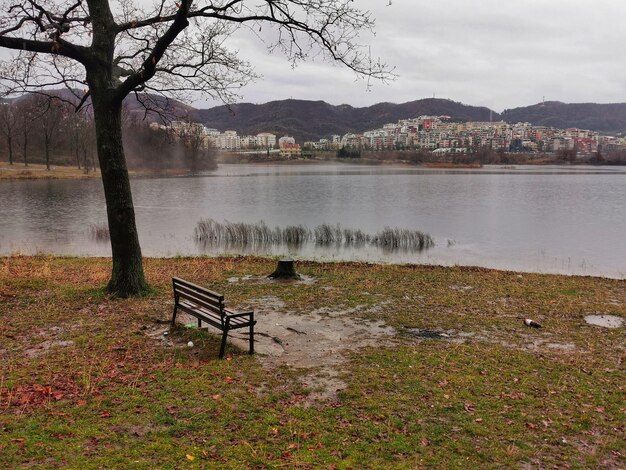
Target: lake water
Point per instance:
(543, 219)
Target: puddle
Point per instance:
(606, 321)
(429, 334)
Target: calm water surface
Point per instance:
(544, 219)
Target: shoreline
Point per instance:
(35, 171)
(329, 262)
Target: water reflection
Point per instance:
(549, 219)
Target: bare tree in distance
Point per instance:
(49, 119)
(8, 125)
(26, 121)
(172, 48)
(85, 140)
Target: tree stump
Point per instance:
(285, 269)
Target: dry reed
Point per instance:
(240, 234)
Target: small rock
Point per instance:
(531, 323)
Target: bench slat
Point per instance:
(235, 322)
(199, 293)
(210, 302)
(194, 312)
(183, 283)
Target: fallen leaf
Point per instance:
(105, 414)
(191, 458)
(600, 409)
(217, 396)
(425, 442)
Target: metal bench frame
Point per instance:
(208, 306)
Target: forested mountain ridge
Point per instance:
(312, 120)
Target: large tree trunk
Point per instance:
(127, 278)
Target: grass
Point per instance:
(38, 171)
(105, 394)
(18, 171)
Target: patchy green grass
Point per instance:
(82, 384)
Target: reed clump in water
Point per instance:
(326, 235)
(99, 232)
(395, 238)
(209, 231)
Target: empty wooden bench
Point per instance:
(208, 306)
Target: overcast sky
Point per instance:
(495, 53)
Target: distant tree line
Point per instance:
(485, 156)
(46, 130)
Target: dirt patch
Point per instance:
(542, 344)
(315, 343)
(303, 279)
(45, 347)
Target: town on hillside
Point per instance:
(438, 134)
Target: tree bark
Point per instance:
(127, 277)
(285, 269)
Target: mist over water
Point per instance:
(547, 219)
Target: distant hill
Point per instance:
(312, 120)
(607, 118)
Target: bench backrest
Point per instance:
(199, 295)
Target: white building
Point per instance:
(286, 140)
(266, 140)
(229, 140)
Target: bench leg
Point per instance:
(223, 347)
(174, 316)
(199, 323)
(251, 339)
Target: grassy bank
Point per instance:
(18, 171)
(34, 171)
(91, 382)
